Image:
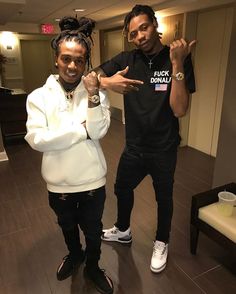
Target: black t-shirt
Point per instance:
(150, 123)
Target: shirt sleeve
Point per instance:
(189, 74)
(43, 138)
(115, 64)
(98, 118)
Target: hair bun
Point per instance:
(86, 26)
(69, 23)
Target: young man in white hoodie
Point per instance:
(66, 119)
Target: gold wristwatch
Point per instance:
(179, 76)
(94, 98)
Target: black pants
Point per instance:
(84, 209)
(132, 169)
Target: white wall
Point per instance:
(213, 33)
(96, 60)
(13, 74)
(25, 28)
(225, 164)
(114, 44)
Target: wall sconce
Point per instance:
(162, 28)
(8, 40)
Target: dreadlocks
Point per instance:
(75, 30)
(137, 10)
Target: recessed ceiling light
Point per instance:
(79, 9)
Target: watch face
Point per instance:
(179, 76)
(94, 98)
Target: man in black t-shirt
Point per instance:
(152, 108)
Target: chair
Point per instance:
(206, 218)
(13, 116)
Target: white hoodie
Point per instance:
(71, 162)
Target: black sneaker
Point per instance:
(101, 281)
(68, 265)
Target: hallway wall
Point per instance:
(225, 165)
(211, 55)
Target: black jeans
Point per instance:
(132, 169)
(84, 209)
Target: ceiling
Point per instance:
(107, 13)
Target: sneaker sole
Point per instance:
(119, 240)
(97, 287)
(73, 270)
(157, 270)
(70, 273)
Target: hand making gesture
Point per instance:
(179, 49)
(119, 83)
(91, 83)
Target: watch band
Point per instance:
(94, 99)
(179, 76)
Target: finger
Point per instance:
(133, 82)
(178, 43)
(99, 79)
(173, 44)
(137, 82)
(134, 89)
(183, 42)
(192, 43)
(123, 72)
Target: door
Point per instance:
(38, 63)
(213, 37)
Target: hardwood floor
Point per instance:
(31, 244)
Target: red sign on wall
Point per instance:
(47, 28)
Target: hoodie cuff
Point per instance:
(95, 113)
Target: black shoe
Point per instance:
(68, 265)
(101, 281)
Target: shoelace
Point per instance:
(114, 231)
(159, 249)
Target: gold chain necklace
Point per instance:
(68, 94)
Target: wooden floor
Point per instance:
(31, 244)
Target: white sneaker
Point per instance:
(159, 256)
(114, 234)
